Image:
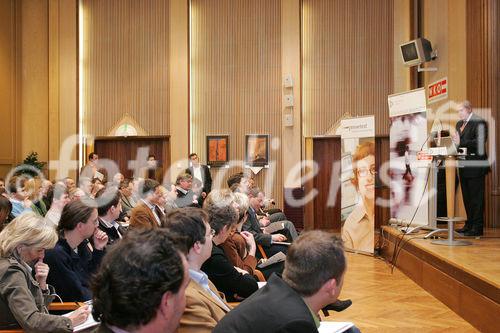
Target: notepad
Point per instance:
(334, 327)
(273, 227)
(90, 322)
(278, 257)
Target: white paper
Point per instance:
(90, 322)
(278, 257)
(334, 327)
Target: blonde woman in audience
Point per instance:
(24, 296)
(33, 188)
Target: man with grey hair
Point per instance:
(312, 279)
(470, 137)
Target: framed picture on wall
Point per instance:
(217, 150)
(257, 149)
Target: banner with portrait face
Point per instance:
(358, 184)
(408, 177)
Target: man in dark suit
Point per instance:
(470, 137)
(109, 209)
(201, 172)
(141, 284)
(291, 303)
(267, 241)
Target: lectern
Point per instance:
(448, 154)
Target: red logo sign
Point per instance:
(438, 90)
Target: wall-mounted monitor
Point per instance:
(416, 52)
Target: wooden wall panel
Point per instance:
(9, 94)
(347, 59)
(125, 62)
(482, 84)
(235, 70)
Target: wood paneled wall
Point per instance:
(235, 70)
(125, 64)
(347, 62)
(483, 85)
(9, 92)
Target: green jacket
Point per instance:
(22, 302)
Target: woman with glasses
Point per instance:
(74, 257)
(358, 230)
(24, 292)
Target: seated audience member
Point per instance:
(239, 183)
(162, 201)
(5, 209)
(73, 259)
(312, 279)
(69, 183)
(235, 283)
(205, 306)
(76, 193)
(152, 169)
(185, 195)
(109, 209)
(2, 184)
(240, 246)
(197, 188)
(117, 179)
(141, 285)
(170, 199)
(18, 196)
(33, 188)
(127, 200)
(47, 192)
(145, 214)
(267, 241)
(60, 198)
(256, 199)
(24, 292)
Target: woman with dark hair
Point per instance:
(74, 259)
(5, 209)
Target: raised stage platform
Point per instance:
(465, 278)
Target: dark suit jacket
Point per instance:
(226, 278)
(252, 225)
(112, 233)
(276, 307)
(474, 139)
(205, 175)
(70, 272)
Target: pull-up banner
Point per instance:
(408, 136)
(358, 184)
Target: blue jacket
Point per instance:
(70, 271)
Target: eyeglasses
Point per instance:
(363, 172)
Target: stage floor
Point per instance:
(460, 276)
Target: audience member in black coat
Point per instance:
(109, 211)
(290, 304)
(73, 259)
(234, 283)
